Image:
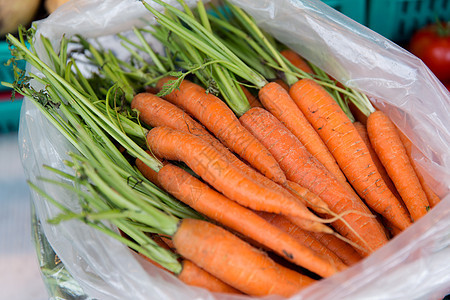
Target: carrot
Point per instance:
(304, 237)
(301, 167)
(219, 255)
(433, 199)
(276, 100)
(148, 172)
(302, 223)
(343, 250)
(295, 59)
(235, 262)
(155, 111)
(191, 274)
(252, 100)
(389, 148)
(349, 150)
(215, 169)
(214, 205)
(221, 121)
(311, 200)
(362, 131)
(302, 194)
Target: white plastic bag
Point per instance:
(414, 265)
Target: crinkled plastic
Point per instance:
(414, 265)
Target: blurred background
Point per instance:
(20, 274)
(401, 21)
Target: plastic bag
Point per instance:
(414, 265)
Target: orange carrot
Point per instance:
(303, 237)
(221, 121)
(389, 148)
(215, 169)
(362, 131)
(148, 172)
(433, 199)
(219, 203)
(343, 250)
(192, 275)
(214, 205)
(276, 100)
(348, 148)
(311, 200)
(302, 194)
(155, 111)
(235, 262)
(296, 60)
(301, 167)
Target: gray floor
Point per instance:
(20, 277)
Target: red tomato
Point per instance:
(432, 45)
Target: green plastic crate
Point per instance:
(9, 115)
(397, 20)
(354, 9)
(9, 110)
(6, 72)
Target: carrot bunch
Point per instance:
(246, 173)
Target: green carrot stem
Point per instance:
(129, 127)
(203, 16)
(233, 94)
(362, 102)
(150, 51)
(143, 243)
(55, 121)
(186, 50)
(124, 196)
(52, 55)
(150, 193)
(173, 84)
(77, 98)
(261, 38)
(240, 47)
(206, 42)
(241, 42)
